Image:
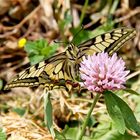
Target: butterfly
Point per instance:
(62, 70)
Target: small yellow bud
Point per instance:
(22, 42)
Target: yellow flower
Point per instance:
(22, 42)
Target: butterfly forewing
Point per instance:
(109, 42)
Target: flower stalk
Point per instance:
(88, 116)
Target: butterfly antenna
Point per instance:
(63, 42)
(81, 29)
(71, 42)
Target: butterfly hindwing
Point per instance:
(26, 78)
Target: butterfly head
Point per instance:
(72, 51)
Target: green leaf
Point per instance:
(31, 48)
(49, 50)
(35, 59)
(128, 116)
(114, 135)
(130, 120)
(41, 44)
(2, 134)
(131, 91)
(46, 51)
(19, 111)
(59, 136)
(1, 84)
(36, 46)
(39, 50)
(114, 112)
(106, 130)
(71, 133)
(48, 113)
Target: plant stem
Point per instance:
(83, 12)
(88, 116)
(114, 6)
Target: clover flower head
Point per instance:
(101, 72)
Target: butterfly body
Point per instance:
(62, 70)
